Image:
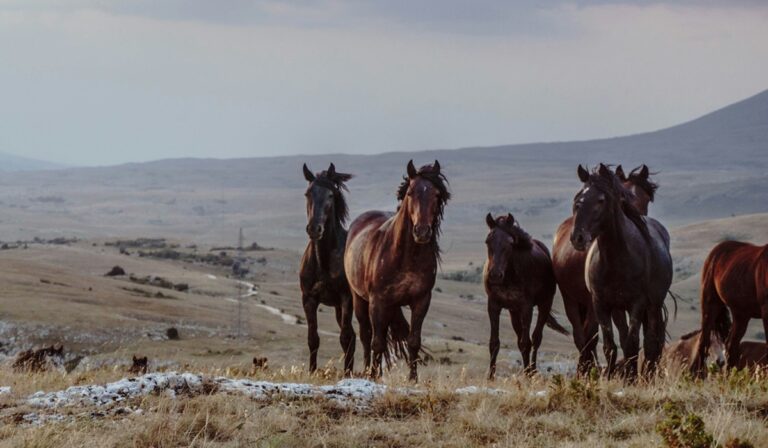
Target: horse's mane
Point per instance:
(609, 184)
(523, 240)
(336, 182)
(643, 182)
(436, 178)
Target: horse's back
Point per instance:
(366, 220)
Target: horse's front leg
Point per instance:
(360, 306)
(347, 337)
(310, 304)
(631, 343)
(494, 311)
(419, 310)
(653, 339)
(380, 316)
(603, 315)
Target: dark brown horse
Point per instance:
(734, 278)
(321, 275)
(391, 262)
(518, 277)
(569, 264)
(628, 267)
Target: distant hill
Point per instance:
(10, 162)
(712, 167)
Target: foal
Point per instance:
(518, 276)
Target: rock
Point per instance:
(115, 271)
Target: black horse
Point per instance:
(321, 276)
(628, 266)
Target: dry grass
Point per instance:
(535, 411)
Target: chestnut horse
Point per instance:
(568, 264)
(628, 266)
(518, 276)
(321, 275)
(734, 277)
(391, 261)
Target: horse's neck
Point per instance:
(613, 240)
(323, 249)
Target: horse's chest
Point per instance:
(408, 285)
(508, 296)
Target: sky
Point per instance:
(98, 82)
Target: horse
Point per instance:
(683, 352)
(628, 266)
(568, 264)
(518, 276)
(321, 274)
(734, 278)
(391, 261)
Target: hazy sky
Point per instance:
(107, 81)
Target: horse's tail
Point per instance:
(709, 294)
(397, 339)
(555, 325)
(675, 299)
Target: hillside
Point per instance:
(711, 167)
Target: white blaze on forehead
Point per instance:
(586, 190)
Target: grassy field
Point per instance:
(58, 293)
(517, 411)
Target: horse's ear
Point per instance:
(308, 174)
(604, 170)
(644, 173)
(510, 219)
(331, 170)
(620, 173)
(583, 174)
(411, 170)
(436, 167)
(490, 221)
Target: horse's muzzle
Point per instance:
(495, 277)
(422, 234)
(580, 240)
(315, 231)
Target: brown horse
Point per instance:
(628, 266)
(321, 274)
(734, 277)
(568, 264)
(391, 261)
(518, 276)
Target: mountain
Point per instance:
(712, 167)
(10, 162)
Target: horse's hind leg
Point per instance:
(620, 321)
(591, 337)
(418, 312)
(732, 350)
(347, 337)
(313, 340)
(711, 309)
(521, 322)
(494, 311)
(364, 323)
(538, 330)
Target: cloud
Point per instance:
(87, 83)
